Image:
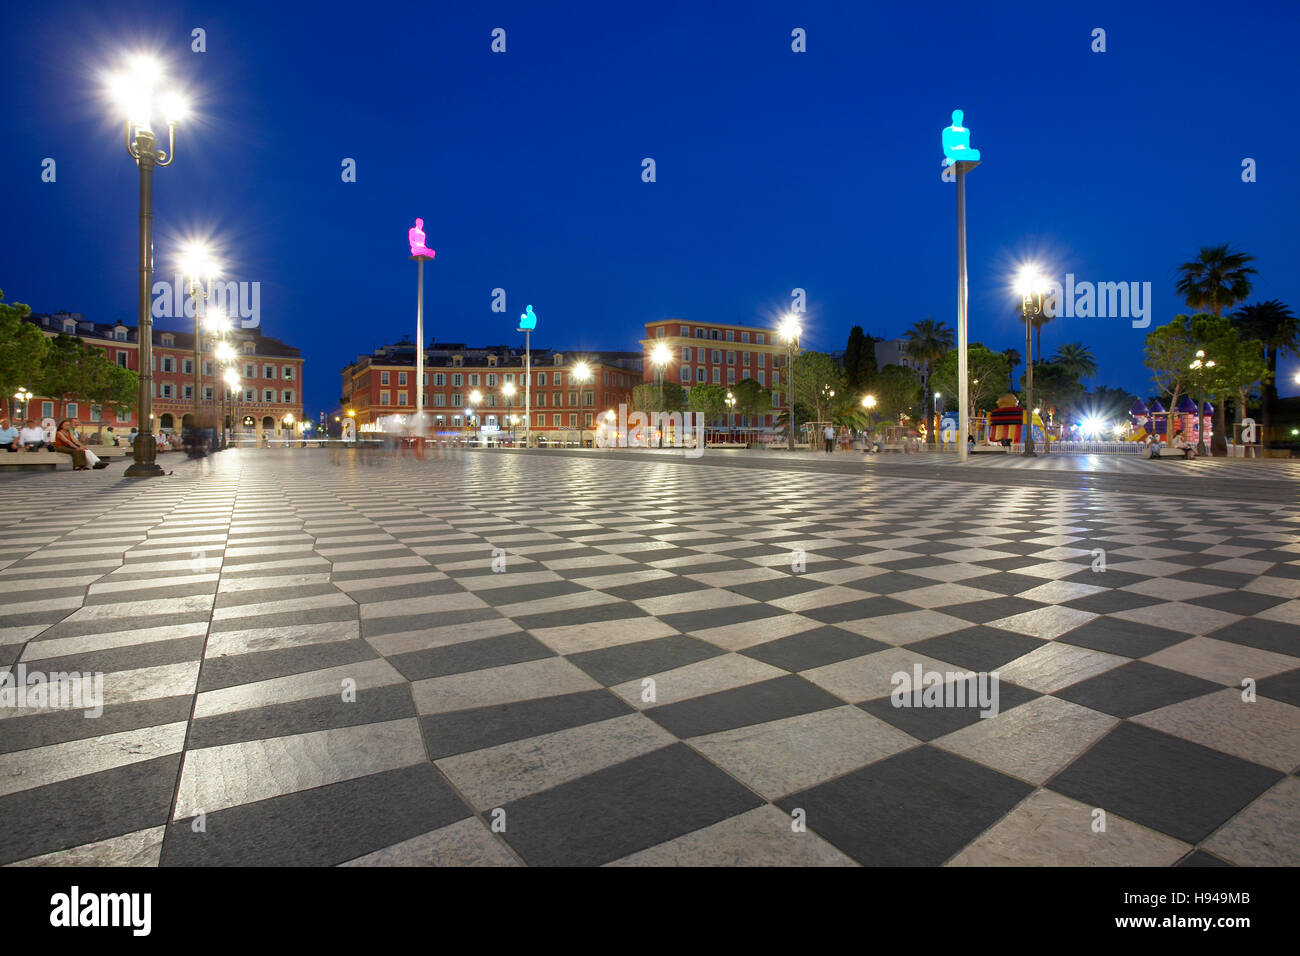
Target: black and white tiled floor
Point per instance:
(311, 660)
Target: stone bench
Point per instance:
(990, 449)
(47, 459)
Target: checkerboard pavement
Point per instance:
(232, 606)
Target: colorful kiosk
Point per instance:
(1007, 423)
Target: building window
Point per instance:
(288, 373)
(761, 376)
(744, 336)
(715, 356)
(455, 420)
(573, 399)
(383, 378)
(762, 359)
(70, 410)
(473, 378)
(439, 379)
(699, 333)
(439, 399)
(187, 366)
(541, 399)
(686, 373)
(385, 398)
(268, 371)
(250, 370)
(731, 336)
(541, 378)
(758, 338)
(586, 420)
(187, 392)
(168, 363)
(96, 413)
(123, 415)
(555, 421)
(120, 335)
(401, 378)
(269, 396)
(457, 380)
(121, 359)
(250, 395)
(700, 374)
(207, 393)
(47, 409)
(685, 331)
(455, 399)
(731, 376)
(288, 396)
(207, 369)
(573, 421)
(731, 358)
(249, 348)
(589, 398)
(717, 376)
(492, 381)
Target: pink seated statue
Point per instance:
(415, 235)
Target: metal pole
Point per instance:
(528, 382)
(789, 384)
(146, 448)
(200, 306)
(419, 346)
(963, 398)
(1029, 386)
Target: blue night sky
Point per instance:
(775, 170)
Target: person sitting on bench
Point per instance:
(31, 436)
(8, 436)
(67, 443)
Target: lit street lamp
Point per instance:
(731, 408)
(134, 92)
(1031, 287)
(23, 397)
(1201, 362)
(789, 333)
(660, 356)
(583, 375)
(199, 268)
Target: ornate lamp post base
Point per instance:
(145, 464)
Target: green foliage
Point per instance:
(752, 399)
(859, 361)
(710, 401)
(1217, 279)
(898, 392)
(1077, 359)
(1057, 387)
(927, 342)
(815, 376)
(1169, 352)
(986, 375)
(649, 397)
(23, 348)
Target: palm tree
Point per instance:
(1077, 359)
(1277, 329)
(1036, 322)
(1217, 279)
(928, 341)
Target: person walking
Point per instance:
(828, 433)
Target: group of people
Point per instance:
(63, 439)
(29, 437)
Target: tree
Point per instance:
(648, 397)
(898, 392)
(1169, 352)
(23, 348)
(927, 342)
(1057, 387)
(1013, 359)
(1274, 326)
(1217, 279)
(1230, 365)
(986, 372)
(752, 399)
(1077, 358)
(859, 361)
(815, 376)
(710, 401)
(1105, 402)
(72, 370)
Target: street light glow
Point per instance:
(789, 330)
(475, 397)
(508, 389)
(1030, 281)
(869, 401)
(661, 355)
(197, 261)
(581, 372)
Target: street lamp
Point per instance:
(24, 397)
(583, 375)
(731, 408)
(1200, 362)
(789, 333)
(1032, 287)
(134, 91)
(286, 423)
(198, 267)
(660, 356)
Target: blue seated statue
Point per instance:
(956, 142)
(528, 320)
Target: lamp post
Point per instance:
(528, 322)
(1031, 286)
(660, 356)
(1199, 364)
(789, 333)
(582, 374)
(134, 91)
(937, 396)
(509, 390)
(25, 398)
(286, 425)
(731, 410)
(199, 268)
(232, 381)
(958, 154)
